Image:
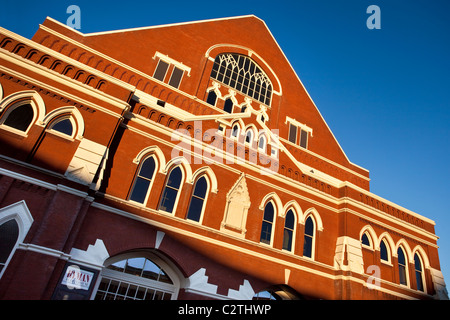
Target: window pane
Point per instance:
(118, 266)
(175, 178)
(261, 143)
(248, 136)
(365, 240)
(235, 131)
(268, 212)
(419, 281)
(168, 199)
(242, 74)
(401, 256)
(266, 232)
(147, 168)
(200, 188)
(140, 190)
(287, 239)
(402, 274)
(303, 139)
(309, 226)
(151, 270)
(176, 77)
(292, 133)
(63, 126)
(134, 266)
(307, 246)
(9, 232)
(289, 220)
(161, 70)
(212, 97)
(228, 107)
(20, 118)
(383, 251)
(417, 263)
(195, 209)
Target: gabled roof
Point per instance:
(193, 43)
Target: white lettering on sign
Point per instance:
(75, 278)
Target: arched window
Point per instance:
(235, 131)
(212, 98)
(419, 272)
(170, 193)
(15, 222)
(19, 117)
(228, 106)
(135, 278)
(9, 234)
(288, 234)
(197, 200)
(262, 143)
(63, 125)
(308, 245)
(248, 136)
(402, 267)
(384, 252)
(267, 224)
(143, 181)
(243, 74)
(365, 239)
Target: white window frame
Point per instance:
(19, 212)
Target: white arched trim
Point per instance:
(313, 212)
(75, 114)
(390, 243)
(186, 167)
(30, 96)
(19, 212)
(156, 151)
(422, 255)
(402, 243)
(210, 175)
(266, 68)
(275, 199)
(372, 236)
(297, 210)
(1, 92)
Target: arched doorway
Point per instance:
(142, 275)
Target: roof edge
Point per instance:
(170, 25)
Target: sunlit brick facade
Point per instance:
(187, 161)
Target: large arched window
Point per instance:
(135, 278)
(243, 74)
(267, 223)
(169, 196)
(197, 200)
(9, 234)
(418, 266)
(308, 245)
(288, 234)
(402, 266)
(19, 117)
(143, 181)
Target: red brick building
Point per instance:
(187, 161)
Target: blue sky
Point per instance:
(384, 93)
